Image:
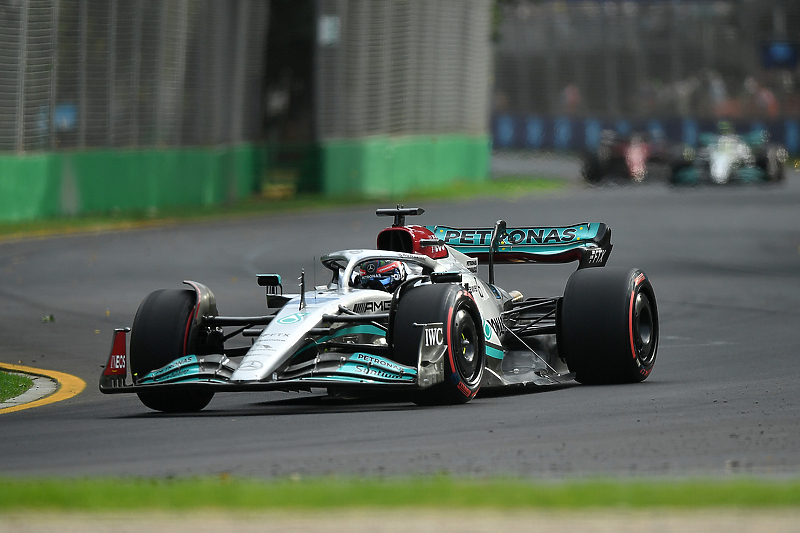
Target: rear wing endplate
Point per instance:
(587, 243)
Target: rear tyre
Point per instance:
(608, 325)
(591, 171)
(465, 356)
(160, 335)
(772, 165)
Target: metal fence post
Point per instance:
(112, 64)
(136, 71)
(83, 100)
(23, 56)
(183, 35)
(239, 57)
(53, 78)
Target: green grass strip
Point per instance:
(12, 385)
(504, 187)
(227, 493)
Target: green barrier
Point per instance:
(387, 166)
(135, 180)
(97, 181)
(72, 183)
(29, 187)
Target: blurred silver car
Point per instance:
(730, 158)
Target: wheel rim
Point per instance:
(465, 347)
(643, 329)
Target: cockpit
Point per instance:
(375, 269)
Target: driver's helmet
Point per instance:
(725, 127)
(379, 274)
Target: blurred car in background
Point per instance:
(730, 158)
(634, 158)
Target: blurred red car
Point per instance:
(630, 158)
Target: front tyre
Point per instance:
(160, 335)
(608, 325)
(465, 356)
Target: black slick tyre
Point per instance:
(591, 171)
(774, 167)
(160, 335)
(608, 325)
(465, 356)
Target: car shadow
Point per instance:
(301, 405)
(314, 404)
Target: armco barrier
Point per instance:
(583, 133)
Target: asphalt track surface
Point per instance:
(723, 399)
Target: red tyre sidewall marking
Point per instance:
(192, 316)
(469, 295)
(450, 341)
(461, 386)
(636, 282)
(186, 334)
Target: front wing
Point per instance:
(358, 368)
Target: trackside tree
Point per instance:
(116, 105)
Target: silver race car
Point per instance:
(411, 317)
(729, 158)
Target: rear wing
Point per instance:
(588, 243)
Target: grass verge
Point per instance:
(503, 187)
(227, 493)
(12, 385)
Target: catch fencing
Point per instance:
(403, 67)
(144, 73)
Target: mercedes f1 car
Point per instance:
(730, 158)
(411, 315)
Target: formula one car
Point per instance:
(632, 158)
(729, 158)
(411, 315)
